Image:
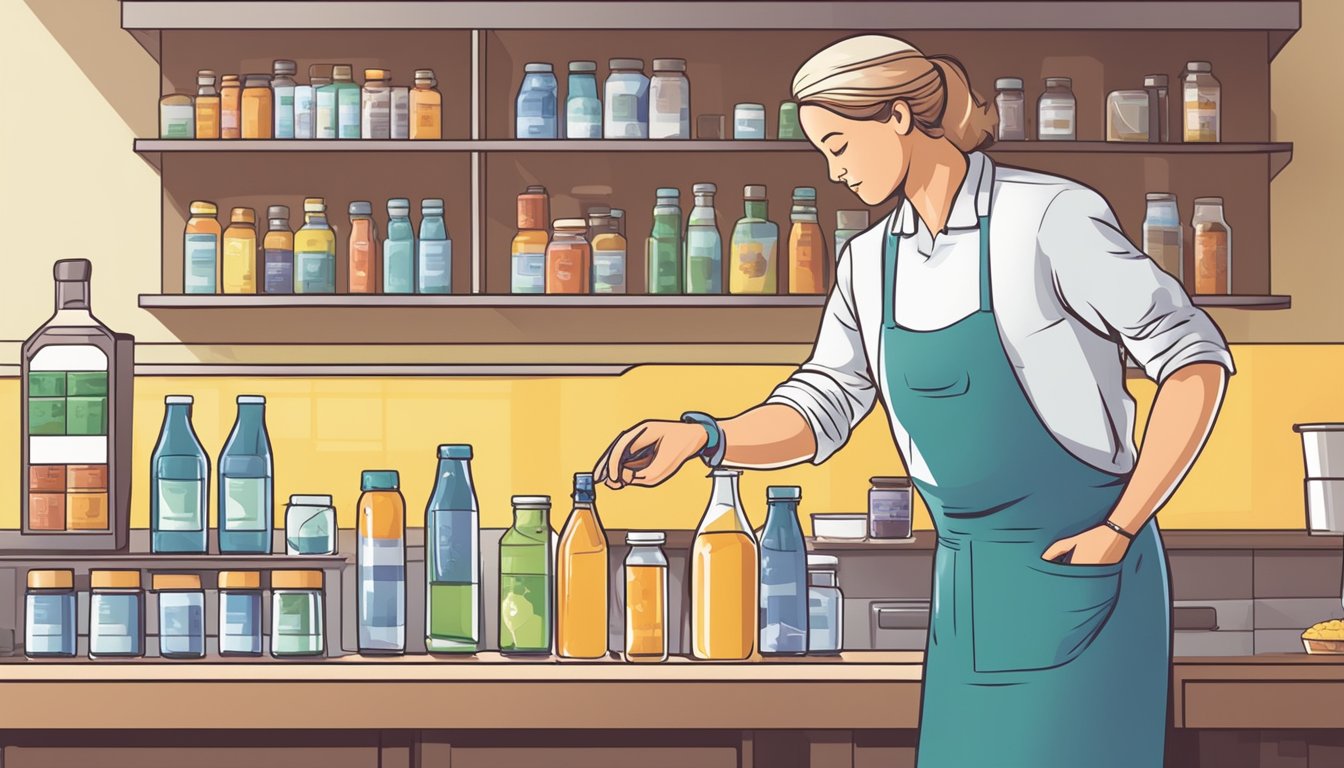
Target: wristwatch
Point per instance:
(715, 445)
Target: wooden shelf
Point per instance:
(1244, 302)
(197, 302)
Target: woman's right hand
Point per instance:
(649, 453)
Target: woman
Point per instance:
(989, 313)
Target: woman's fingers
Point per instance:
(617, 474)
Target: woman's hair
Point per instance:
(861, 77)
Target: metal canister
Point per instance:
(889, 515)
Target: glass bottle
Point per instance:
(669, 100)
(310, 525)
(1011, 101)
(626, 101)
(536, 103)
(1057, 118)
(1162, 235)
(399, 248)
(809, 267)
(363, 249)
(453, 557)
(434, 254)
(704, 244)
(177, 117)
(297, 618)
(179, 483)
(847, 225)
(618, 221)
(663, 251)
(239, 613)
(525, 570)
(646, 619)
(783, 575)
(376, 105)
(583, 109)
(569, 258)
(200, 249)
(207, 105)
(247, 482)
(382, 564)
(401, 112)
(826, 606)
(240, 252)
(282, 96)
(529, 245)
(1213, 247)
(278, 252)
(258, 109)
(724, 574)
(609, 255)
(338, 105)
(181, 615)
(305, 102)
(1203, 97)
(582, 578)
(230, 108)
(755, 247)
(116, 614)
(426, 107)
(49, 614)
(315, 250)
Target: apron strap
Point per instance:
(889, 251)
(986, 299)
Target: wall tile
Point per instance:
(1284, 573)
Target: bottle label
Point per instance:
(279, 271)
(750, 258)
(245, 503)
(608, 271)
(180, 505)
(314, 272)
(293, 615)
(529, 271)
(240, 615)
(200, 252)
(435, 266)
(453, 536)
(325, 127)
(177, 122)
(303, 112)
(284, 113)
(398, 266)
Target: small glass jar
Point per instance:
(1127, 116)
(49, 617)
(646, 613)
(669, 100)
(1011, 101)
(583, 109)
(1213, 247)
(240, 613)
(889, 514)
(536, 104)
(181, 615)
(177, 117)
(569, 258)
(709, 127)
(375, 112)
(296, 614)
(789, 128)
(1162, 235)
(627, 101)
(749, 122)
(116, 614)
(826, 606)
(310, 525)
(1057, 118)
(1203, 97)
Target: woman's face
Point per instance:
(868, 156)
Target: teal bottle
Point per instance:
(453, 557)
(399, 248)
(247, 482)
(526, 574)
(704, 244)
(434, 257)
(663, 253)
(783, 575)
(179, 483)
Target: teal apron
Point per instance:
(1030, 663)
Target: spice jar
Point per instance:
(1127, 116)
(258, 109)
(310, 526)
(645, 597)
(1162, 233)
(1159, 127)
(569, 258)
(207, 105)
(1203, 103)
(49, 617)
(176, 117)
(1057, 118)
(669, 100)
(296, 613)
(240, 613)
(749, 121)
(116, 614)
(889, 508)
(826, 606)
(230, 108)
(1213, 247)
(1011, 101)
(789, 128)
(181, 615)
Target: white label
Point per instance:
(69, 357)
(67, 450)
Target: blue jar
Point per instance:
(49, 619)
(181, 615)
(583, 108)
(240, 613)
(116, 614)
(536, 105)
(627, 101)
(434, 256)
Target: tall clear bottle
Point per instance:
(582, 578)
(783, 575)
(434, 257)
(282, 86)
(526, 566)
(399, 248)
(453, 557)
(179, 483)
(704, 244)
(755, 247)
(663, 249)
(724, 577)
(382, 563)
(247, 482)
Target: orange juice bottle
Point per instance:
(645, 597)
(426, 107)
(724, 577)
(581, 579)
(809, 267)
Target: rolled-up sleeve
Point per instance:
(833, 390)
(1111, 285)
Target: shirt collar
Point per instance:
(972, 200)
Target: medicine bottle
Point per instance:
(258, 107)
(1011, 102)
(240, 613)
(181, 615)
(297, 619)
(1203, 97)
(569, 258)
(230, 108)
(49, 618)
(1057, 118)
(116, 614)
(207, 105)
(645, 597)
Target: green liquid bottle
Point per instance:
(664, 247)
(452, 557)
(526, 571)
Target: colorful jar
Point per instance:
(297, 620)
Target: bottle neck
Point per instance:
(529, 518)
(821, 578)
(178, 417)
(315, 219)
(251, 423)
(72, 294)
(755, 209)
(724, 492)
(453, 489)
(781, 512)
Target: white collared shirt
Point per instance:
(1070, 293)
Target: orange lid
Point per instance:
(296, 579)
(58, 579)
(169, 581)
(240, 579)
(243, 216)
(114, 579)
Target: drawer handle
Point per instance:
(913, 617)
(1195, 617)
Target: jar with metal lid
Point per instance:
(749, 122)
(310, 525)
(1127, 116)
(240, 613)
(1203, 97)
(49, 616)
(669, 100)
(1058, 111)
(1011, 102)
(569, 258)
(645, 597)
(583, 109)
(889, 514)
(177, 118)
(627, 101)
(116, 614)
(296, 613)
(181, 615)
(826, 606)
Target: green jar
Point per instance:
(296, 614)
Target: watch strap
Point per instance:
(1116, 527)
(715, 447)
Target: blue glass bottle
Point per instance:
(704, 244)
(247, 482)
(453, 557)
(536, 104)
(399, 248)
(179, 483)
(583, 108)
(434, 262)
(783, 575)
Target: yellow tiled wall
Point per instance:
(530, 435)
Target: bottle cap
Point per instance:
(114, 579)
(617, 213)
(361, 208)
(893, 481)
(251, 400)
(754, 192)
(851, 219)
(583, 487)
(531, 502)
(669, 65)
(398, 204)
(296, 579)
(726, 473)
(342, 72)
(278, 212)
(431, 204)
(1060, 82)
(704, 189)
(1208, 201)
(314, 205)
(257, 81)
(379, 480)
(376, 74)
(535, 189)
(203, 208)
(748, 106)
(424, 74)
(822, 562)
(637, 64)
(583, 66)
(173, 581)
(599, 210)
(243, 216)
(783, 493)
(240, 579)
(60, 578)
(72, 270)
(1155, 81)
(804, 193)
(203, 74)
(1008, 84)
(669, 192)
(1159, 196)
(309, 500)
(456, 451)
(1198, 66)
(570, 224)
(178, 400)
(645, 538)
(284, 67)
(233, 79)
(538, 66)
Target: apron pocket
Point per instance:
(938, 384)
(1031, 614)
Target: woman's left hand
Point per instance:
(1095, 546)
